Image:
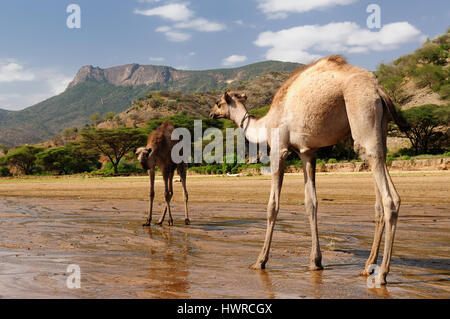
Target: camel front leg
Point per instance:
(379, 227)
(391, 206)
(182, 173)
(277, 168)
(151, 195)
(309, 173)
(168, 193)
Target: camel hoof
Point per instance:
(257, 266)
(365, 273)
(170, 222)
(315, 267)
(187, 221)
(159, 223)
(146, 224)
(382, 280)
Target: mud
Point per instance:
(40, 237)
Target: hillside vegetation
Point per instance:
(157, 104)
(95, 90)
(422, 77)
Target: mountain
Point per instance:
(157, 104)
(113, 90)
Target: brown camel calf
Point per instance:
(158, 153)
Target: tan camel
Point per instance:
(158, 153)
(321, 105)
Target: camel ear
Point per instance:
(227, 97)
(243, 96)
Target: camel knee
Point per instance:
(397, 202)
(168, 196)
(271, 211)
(186, 196)
(152, 195)
(390, 212)
(311, 206)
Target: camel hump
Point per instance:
(337, 59)
(162, 134)
(332, 62)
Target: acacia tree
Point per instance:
(23, 158)
(70, 159)
(114, 144)
(424, 123)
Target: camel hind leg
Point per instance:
(151, 195)
(309, 172)
(366, 117)
(168, 193)
(182, 172)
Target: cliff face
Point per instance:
(113, 90)
(127, 75)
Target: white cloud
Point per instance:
(57, 82)
(156, 59)
(182, 18)
(191, 53)
(172, 35)
(163, 28)
(173, 12)
(182, 67)
(295, 44)
(278, 9)
(11, 71)
(233, 60)
(201, 25)
(24, 86)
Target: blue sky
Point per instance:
(39, 54)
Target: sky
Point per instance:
(40, 54)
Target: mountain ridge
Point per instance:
(95, 89)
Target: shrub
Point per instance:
(332, 160)
(4, 171)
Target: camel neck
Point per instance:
(251, 126)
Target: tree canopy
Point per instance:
(114, 144)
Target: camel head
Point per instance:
(144, 157)
(226, 103)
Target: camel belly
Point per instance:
(316, 116)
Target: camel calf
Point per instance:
(158, 153)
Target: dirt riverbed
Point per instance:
(48, 224)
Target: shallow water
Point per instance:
(119, 258)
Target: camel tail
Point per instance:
(389, 105)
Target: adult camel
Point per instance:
(157, 152)
(321, 105)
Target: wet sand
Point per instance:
(41, 236)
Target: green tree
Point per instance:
(4, 149)
(110, 116)
(95, 119)
(424, 122)
(69, 134)
(70, 159)
(23, 158)
(114, 144)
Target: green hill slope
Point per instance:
(93, 90)
(420, 78)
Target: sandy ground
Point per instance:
(47, 224)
